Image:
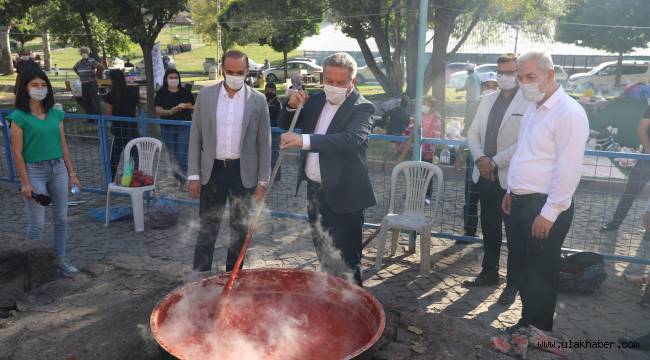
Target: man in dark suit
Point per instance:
(335, 125)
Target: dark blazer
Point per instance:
(342, 151)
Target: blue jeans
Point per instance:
(177, 140)
(48, 177)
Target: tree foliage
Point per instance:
(142, 21)
(281, 24)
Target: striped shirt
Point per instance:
(86, 68)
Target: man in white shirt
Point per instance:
(229, 157)
(335, 126)
(492, 139)
(543, 176)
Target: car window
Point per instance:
(292, 66)
(608, 70)
(634, 69)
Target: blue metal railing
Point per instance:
(100, 127)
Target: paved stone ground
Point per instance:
(607, 315)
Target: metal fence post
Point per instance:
(8, 153)
(102, 132)
(143, 122)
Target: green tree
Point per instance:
(10, 12)
(281, 24)
(621, 37)
(24, 30)
(393, 26)
(142, 21)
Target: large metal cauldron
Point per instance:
(270, 314)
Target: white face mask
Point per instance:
(172, 83)
(532, 92)
(38, 94)
(506, 82)
(235, 82)
(425, 109)
(84, 56)
(334, 94)
(24, 57)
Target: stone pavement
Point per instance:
(606, 315)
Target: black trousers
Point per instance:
(89, 99)
(337, 237)
(470, 209)
(639, 176)
(224, 185)
(539, 257)
(492, 218)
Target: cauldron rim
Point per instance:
(220, 279)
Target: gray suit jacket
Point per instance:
(255, 137)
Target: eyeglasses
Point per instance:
(514, 72)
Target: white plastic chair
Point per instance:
(148, 159)
(418, 175)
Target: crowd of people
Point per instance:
(526, 140)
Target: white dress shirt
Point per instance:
(312, 166)
(549, 154)
(230, 116)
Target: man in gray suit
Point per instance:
(229, 157)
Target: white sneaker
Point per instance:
(66, 269)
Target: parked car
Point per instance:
(457, 79)
(303, 59)
(603, 76)
(254, 67)
(454, 67)
(276, 73)
(560, 75)
(365, 75)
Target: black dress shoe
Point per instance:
(508, 296)
(482, 280)
(643, 341)
(610, 226)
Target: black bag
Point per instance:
(163, 215)
(581, 273)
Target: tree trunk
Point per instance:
(411, 46)
(619, 70)
(47, 57)
(444, 20)
(94, 51)
(6, 66)
(389, 86)
(148, 70)
(286, 71)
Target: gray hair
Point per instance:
(342, 60)
(543, 58)
(84, 50)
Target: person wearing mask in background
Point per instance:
(275, 107)
(230, 158)
(43, 160)
(492, 140)
(431, 127)
(470, 208)
(25, 63)
(175, 102)
(86, 68)
(121, 100)
(335, 126)
(544, 174)
(472, 88)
